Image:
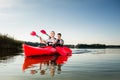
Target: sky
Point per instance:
(79, 21)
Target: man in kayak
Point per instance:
(59, 41)
(51, 40)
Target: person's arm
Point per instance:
(41, 40)
(44, 41)
(61, 42)
(55, 41)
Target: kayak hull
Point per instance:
(63, 51)
(35, 51)
(47, 50)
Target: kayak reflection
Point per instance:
(44, 64)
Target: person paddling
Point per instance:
(50, 41)
(59, 41)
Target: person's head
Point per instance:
(59, 35)
(52, 34)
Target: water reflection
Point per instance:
(7, 57)
(44, 64)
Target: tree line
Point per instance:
(93, 46)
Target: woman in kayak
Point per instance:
(59, 41)
(51, 40)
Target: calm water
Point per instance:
(90, 64)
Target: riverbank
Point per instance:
(9, 45)
(93, 46)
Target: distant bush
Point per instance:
(91, 46)
(8, 43)
(70, 45)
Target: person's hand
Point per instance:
(50, 43)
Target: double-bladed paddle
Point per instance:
(44, 32)
(33, 33)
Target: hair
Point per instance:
(53, 32)
(59, 34)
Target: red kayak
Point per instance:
(47, 50)
(63, 51)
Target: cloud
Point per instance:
(7, 6)
(7, 3)
(4, 14)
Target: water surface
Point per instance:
(84, 64)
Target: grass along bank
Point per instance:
(9, 44)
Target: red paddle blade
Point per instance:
(33, 33)
(43, 31)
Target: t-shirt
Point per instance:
(59, 42)
(50, 40)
